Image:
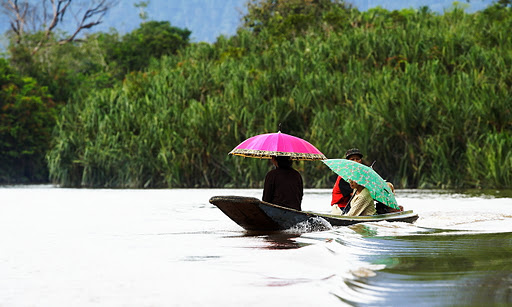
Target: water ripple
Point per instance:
(438, 269)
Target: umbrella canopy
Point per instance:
(365, 176)
(265, 146)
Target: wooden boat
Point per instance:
(256, 215)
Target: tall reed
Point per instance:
(424, 95)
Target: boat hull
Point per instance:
(256, 215)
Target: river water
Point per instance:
(69, 247)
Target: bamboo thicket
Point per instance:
(427, 96)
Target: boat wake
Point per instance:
(310, 225)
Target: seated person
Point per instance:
(362, 202)
(383, 209)
(283, 185)
(342, 192)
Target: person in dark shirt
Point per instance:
(283, 185)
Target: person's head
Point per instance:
(354, 154)
(391, 187)
(355, 185)
(282, 161)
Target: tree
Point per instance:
(504, 3)
(142, 6)
(66, 70)
(152, 39)
(27, 117)
(290, 17)
(46, 16)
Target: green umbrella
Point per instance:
(365, 176)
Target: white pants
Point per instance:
(335, 210)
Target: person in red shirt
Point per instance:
(342, 192)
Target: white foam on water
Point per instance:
(310, 225)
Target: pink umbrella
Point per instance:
(266, 146)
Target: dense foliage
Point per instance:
(27, 116)
(66, 72)
(133, 51)
(425, 95)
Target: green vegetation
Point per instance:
(27, 116)
(133, 51)
(425, 95)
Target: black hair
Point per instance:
(284, 162)
(352, 152)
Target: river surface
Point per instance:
(80, 247)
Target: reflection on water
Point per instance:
(364, 230)
(277, 240)
(66, 247)
(439, 270)
(480, 193)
